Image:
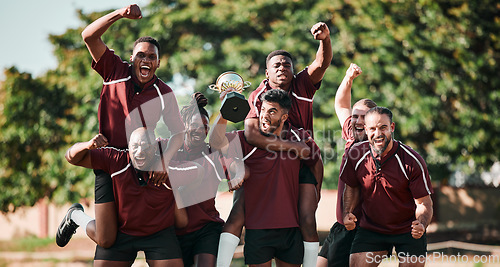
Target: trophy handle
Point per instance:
(214, 87)
(246, 84)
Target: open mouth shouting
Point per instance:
(145, 71)
(197, 136)
(359, 129)
(380, 143)
(140, 162)
(380, 140)
(265, 125)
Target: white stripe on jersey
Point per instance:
(361, 159)
(401, 166)
(296, 135)
(302, 98)
(121, 171)
(249, 154)
(421, 168)
(213, 165)
(161, 97)
(117, 81)
(257, 98)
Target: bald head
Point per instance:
(142, 148)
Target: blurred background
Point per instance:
(435, 64)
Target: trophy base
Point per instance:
(234, 107)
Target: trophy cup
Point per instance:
(234, 106)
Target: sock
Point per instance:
(81, 218)
(227, 245)
(310, 254)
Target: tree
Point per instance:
(32, 134)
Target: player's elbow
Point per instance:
(69, 158)
(105, 239)
(85, 35)
(88, 36)
(106, 242)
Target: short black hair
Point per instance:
(278, 96)
(148, 39)
(381, 111)
(278, 53)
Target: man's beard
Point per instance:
(272, 128)
(384, 147)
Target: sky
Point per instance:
(25, 26)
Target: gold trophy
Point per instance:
(234, 107)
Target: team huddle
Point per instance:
(157, 195)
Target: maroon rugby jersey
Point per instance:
(142, 210)
(119, 99)
(301, 92)
(388, 192)
(202, 213)
(272, 190)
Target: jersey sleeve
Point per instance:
(348, 172)
(110, 65)
(347, 130)
(305, 87)
(420, 182)
(102, 159)
(255, 104)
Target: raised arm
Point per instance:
(92, 33)
(423, 213)
(272, 143)
(343, 95)
(217, 136)
(79, 153)
(324, 54)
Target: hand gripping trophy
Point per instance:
(234, 107)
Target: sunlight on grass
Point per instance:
(25, 244)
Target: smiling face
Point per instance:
(358, 122)
(271, 118)
(379, 129)
(197, 130)
(142, 148)
(279, 71)
(145, 61)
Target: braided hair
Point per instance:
(197, 104)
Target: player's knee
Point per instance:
(234, 224)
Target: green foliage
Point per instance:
(434, 63)
(32, 134)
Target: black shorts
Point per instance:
(337, 245)
(405, 244)
(162, 245)
(262, 245)
(103, 187)
(204, 240)
(306, 176)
